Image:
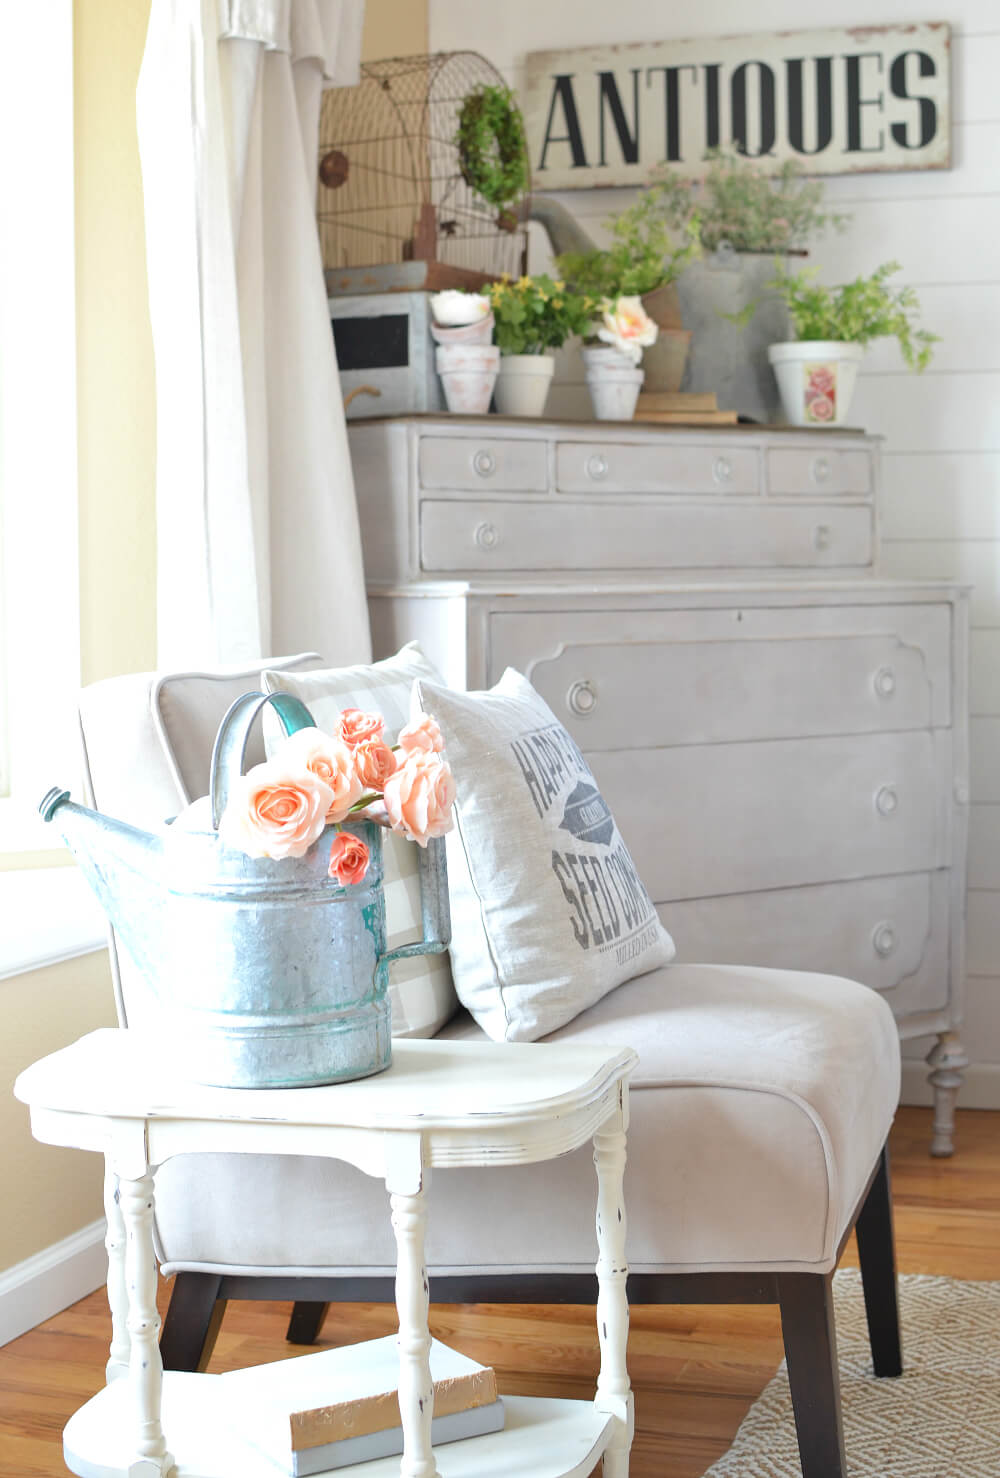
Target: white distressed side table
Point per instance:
(439, 1104)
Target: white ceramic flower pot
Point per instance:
(614, 383)
(815, 380)
(523, 384)
(468, 374)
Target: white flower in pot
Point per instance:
(816, 371)
(614, 378)
(533, 315)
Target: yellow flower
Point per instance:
(557, 302)
(559, 286)
(524, 283)
(504, 276)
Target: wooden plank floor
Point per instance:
(696, 1370)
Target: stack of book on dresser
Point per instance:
(683, 408)
(316, 1412)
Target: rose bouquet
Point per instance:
(315, 780)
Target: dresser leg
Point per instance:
(947, 1059)
(114, 1241)
(145, 1371)
(614, 1393)
(416, 1392)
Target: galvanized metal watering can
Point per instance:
(269, 973)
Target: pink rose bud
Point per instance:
(275, 811)
(353, 726)
(422, 734)
(419, 797)
(349, 858)
(374, 762)
(330, 760)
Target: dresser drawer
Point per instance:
(634, 694)
(891, 933)
(607, 467)
(736, 818)
(795, 470)
(475, 536)
(467, 463)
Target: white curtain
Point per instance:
(258, 549)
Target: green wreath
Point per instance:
(492, 149)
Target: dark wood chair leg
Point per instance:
(306, 1322)
(877, 1255)
(192, 1323)
(807, 1324)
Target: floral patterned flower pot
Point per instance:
(816, 380)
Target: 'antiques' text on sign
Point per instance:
(837, 101)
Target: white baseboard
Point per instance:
(980, 1089)
(41, 1286)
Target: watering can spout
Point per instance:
(123, 866)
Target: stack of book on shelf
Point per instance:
(683, 408)
(329, 1410)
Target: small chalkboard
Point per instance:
(372, 343)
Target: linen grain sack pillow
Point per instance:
(423, 996)
(548, 914)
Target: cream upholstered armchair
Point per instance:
(760, 1111)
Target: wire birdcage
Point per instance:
(390, 184)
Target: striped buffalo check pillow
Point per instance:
(423, 996)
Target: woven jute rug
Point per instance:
(940, 1419)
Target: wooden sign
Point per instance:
(838, 101)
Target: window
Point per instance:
(39, 582)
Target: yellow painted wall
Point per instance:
(50, 1193)
(59, 1191)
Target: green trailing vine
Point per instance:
(492, 148)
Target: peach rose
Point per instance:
(419, 797)
(374, 762)
(349, 858)
(626, 326)
(275, 810)
(353, 726)
(329, 760)
(422, 734)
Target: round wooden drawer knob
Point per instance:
(722, 470)
(582, 698)
(886, 801)
(821, 469)
(884, 940)
(821, 537)
(487, 536)
(597, 468)
(484, 463)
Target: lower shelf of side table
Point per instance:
(542, 1438)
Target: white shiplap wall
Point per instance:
(942, 430)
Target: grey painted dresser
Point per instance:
(781, 733)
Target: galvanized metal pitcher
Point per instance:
(269, 973)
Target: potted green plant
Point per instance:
(745, 218)
(644, 261)
(817, 369)
(532, 315)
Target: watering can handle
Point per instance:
(229, 753)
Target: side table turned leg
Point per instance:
(614, 1393)
(948, 1060)
(416, 1390)
(145, 1371)
(114, 1241)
